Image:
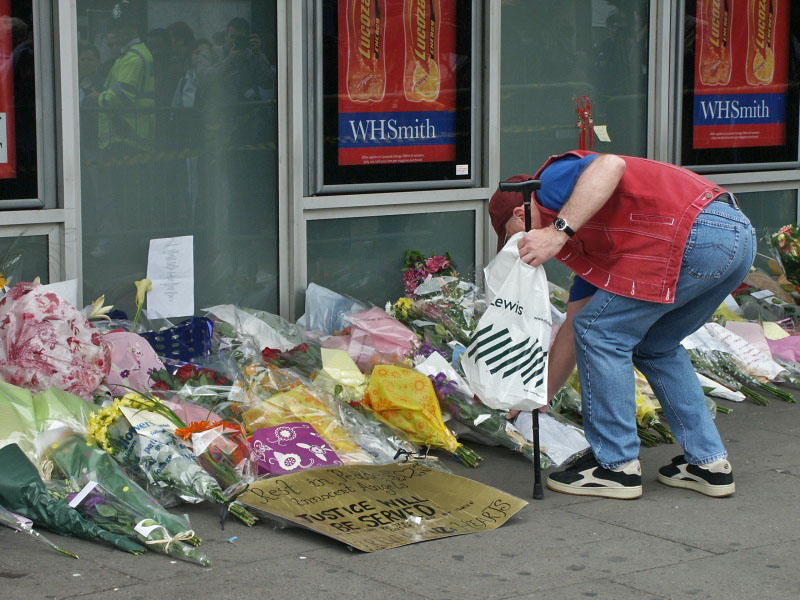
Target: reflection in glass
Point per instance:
(768, 212)
(179, 137)
(376, 245)
(554, 51)
(23, 258)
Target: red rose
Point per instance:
(186, 372)
(269, 354)
(160, 385)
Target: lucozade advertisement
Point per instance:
(396, 87)
(741, 73)
(8, 166)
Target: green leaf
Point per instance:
(104, 510)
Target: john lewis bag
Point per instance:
(506, 360)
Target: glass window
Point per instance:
(18, 166)
(362, 256)
(554, 52)
(179, 137)
(768, 212)
(23, 258)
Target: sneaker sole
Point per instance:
(617, 493)
(715, 491)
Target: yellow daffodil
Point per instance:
(3, 280)
(402, 306)
(142, 287)
(99, 311)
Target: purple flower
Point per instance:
(442, 386)
(124, 374)
(89, 503)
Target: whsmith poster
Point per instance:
(8, 168)
(396, 88)
(741, 73)
(376, 507)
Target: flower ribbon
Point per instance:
(183, 536)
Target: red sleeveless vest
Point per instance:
(633, 246)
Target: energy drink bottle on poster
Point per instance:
(366, 60)
(421, 77)
(761, 19)
(715, 48)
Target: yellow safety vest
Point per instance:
(129, 97)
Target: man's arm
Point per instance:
(592, 190)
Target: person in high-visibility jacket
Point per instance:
(129, 124)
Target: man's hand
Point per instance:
(540, 245)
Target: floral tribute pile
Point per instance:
(102, 444)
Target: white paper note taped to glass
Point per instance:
(170, 266)
(601, 131)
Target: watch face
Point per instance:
(560, 224)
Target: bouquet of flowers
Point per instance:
(305, 359)
(138, 432)
(445, 311)
(79, 461)
(417, 268)
(95, 503)
(406, 400)
(478, 417)
(23, 492)
(786, 245)
(223, 451)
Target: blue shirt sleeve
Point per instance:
(580, 289)
(559, 178)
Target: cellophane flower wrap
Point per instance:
(149, 448)
(45, 341)
(457, 400)
(443, 312)
(406, 400)
(271, 396)
(786, 245)
(275, 396)
(114, 501)
(223, 451)
(199, 393)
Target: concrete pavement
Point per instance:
(671, 543)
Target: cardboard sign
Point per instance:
(376, 507)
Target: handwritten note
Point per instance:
(375, 507)
(170, 266)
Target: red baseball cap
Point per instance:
(501, 208)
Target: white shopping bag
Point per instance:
(506, 361)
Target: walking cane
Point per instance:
(526, 189)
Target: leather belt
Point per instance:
(727, 199)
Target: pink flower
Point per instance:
(434, 264)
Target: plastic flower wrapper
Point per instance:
(98, 489)
(307, 405)
(79, 460)
(445, 311)
(24, 525)
(23, 492)
(138, 433)
(648, 424)
(45, 341)
(457, 400)
(786, 245)
(223, 451)
(406, 400)
(341, 377)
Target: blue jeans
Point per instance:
(613, 333)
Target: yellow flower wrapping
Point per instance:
(406, 400)
(299, 404)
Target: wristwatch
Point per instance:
(561, 225)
